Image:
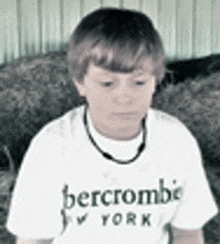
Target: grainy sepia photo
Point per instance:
(109, 122)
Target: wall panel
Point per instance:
(9, 31)
(51, 24)
(30, 35)
(202, 28)
(71, 16)
(151, 8)
(189, 28)
(90, 5)
(215, 35)
(131, 4)
(111, 3)
(167, 25)
(184, 26)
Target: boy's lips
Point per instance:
(126, 115)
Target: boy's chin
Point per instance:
(125, 125)
(125, 134)
(120, 129)
(125, 120)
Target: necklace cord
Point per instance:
(107, 155)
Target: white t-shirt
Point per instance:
(68, 191)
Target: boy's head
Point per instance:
(115, 58)
(117, 40)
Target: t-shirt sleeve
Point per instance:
(197, 205)
(37, 197)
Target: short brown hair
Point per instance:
(115, 39)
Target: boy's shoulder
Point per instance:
(62, 126)
(168, 125)
(163, 117)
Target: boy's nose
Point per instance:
(123, 95)
(124, 99)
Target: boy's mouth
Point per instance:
(126, 115)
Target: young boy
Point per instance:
(113, 170)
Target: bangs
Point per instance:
(120, 58)
(116, 40)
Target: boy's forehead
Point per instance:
(146, 68)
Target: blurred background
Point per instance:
(189, 28)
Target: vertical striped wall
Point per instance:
(189, 28)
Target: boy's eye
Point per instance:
(107, 83)
(140, 83)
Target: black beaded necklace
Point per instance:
(107, 155)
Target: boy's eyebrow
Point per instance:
(142, 73)
(138, 73)
(104, 74)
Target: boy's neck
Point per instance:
(119, 134)
(122, 134)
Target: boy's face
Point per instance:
(118, 101)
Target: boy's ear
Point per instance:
(155, 85)
(80, 88)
